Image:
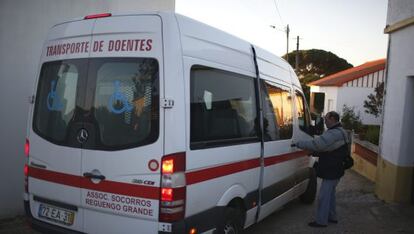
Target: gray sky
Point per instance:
(352, 29)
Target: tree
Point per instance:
(318, 63)
(306, 80)
(374, 103)
(350, 120)
(315, 64)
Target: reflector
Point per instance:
(26, 170)
(27, 148)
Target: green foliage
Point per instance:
(315, 64)
(304, 81)
(374, 103)
(350, 120)
(372, 133)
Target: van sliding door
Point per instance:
(279, 158)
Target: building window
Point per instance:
(330, 105)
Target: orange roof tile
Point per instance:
(338, 79)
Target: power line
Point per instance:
(278, 12)
(287, 30)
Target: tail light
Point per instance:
(173, 188)
(27, 148)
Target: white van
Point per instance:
(156, 123)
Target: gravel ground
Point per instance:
(359, 211)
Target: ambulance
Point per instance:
(155, 123)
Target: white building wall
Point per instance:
(355, 97)
(23, 28)
(353, 94)
(331, 98)
(397, 135)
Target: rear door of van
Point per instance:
(122, 156)
(97, 138)
(55, 158)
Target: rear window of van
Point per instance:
(118, 97)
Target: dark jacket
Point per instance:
(330, 164)
(331, 148)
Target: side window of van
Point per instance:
(277, 111)
(223, 108)
(302, 112)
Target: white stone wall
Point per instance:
(23, 28)
(398, 127)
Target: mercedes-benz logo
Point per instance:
(82, 136)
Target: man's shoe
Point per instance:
(333, 221)
(315, 224)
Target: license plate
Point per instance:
(56, 214)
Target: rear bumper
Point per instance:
(205, 221)
(42, 226)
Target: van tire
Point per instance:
(233, 221)
(310, 193)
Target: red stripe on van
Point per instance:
(55, 177)
(153, 192)
(284, 157)
(104, 186)
(215, 172)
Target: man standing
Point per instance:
(331, 149)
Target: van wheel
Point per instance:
(233, 223)
(310, 193)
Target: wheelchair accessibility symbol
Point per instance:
(53, 101)
(116, 97)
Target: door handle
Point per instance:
(38, 165)
(93, 176)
